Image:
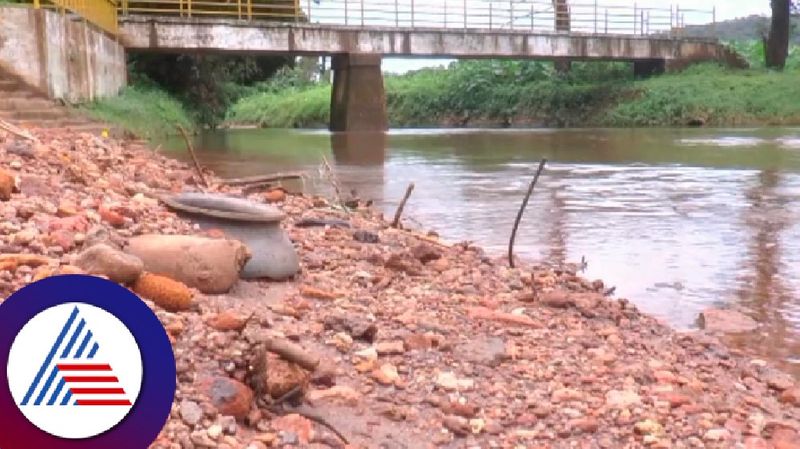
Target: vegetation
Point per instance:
(143, 109)
(526, 92)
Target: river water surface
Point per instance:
(677, 219)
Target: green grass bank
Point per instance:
(145, 111)
(524, 93)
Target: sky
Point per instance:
(726, 10)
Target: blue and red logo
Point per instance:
(88, 365)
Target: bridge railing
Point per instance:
(581, 16)
(102, 13)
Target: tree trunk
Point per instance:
(777, 43)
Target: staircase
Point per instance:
(24, 106)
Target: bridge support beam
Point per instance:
(649, 67)
(358, 99)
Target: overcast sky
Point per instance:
(726, 9)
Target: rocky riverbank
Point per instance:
(422, 343)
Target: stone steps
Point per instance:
(25, 106)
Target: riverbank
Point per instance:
(143, 110)
(420, 340)
(524, 93)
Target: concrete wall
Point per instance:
(61, 56)
(162, 33)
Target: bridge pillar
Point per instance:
(649, 67)
(358, 99)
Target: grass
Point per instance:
(712, 95)
(144, 110)
(505, 93)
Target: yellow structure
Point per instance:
(239, 9)
(102, 13)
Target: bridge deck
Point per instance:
(175, 33)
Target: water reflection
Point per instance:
(677, 219)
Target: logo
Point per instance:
(88, 365)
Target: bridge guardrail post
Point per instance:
(396, 13)
(511, 14)
(635, 15)
(491, 14)
(533, 17)
(412, 13)
(606, 20)
(595, 16)
(362, 12)
(346, 15)
(465, 14)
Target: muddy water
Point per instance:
(677, 220)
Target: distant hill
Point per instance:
(742, 29)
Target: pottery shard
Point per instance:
(104, 260)
(209, 265)
(726, 321)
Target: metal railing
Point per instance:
(583, 16)
(102, 13)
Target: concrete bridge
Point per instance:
(358, 33)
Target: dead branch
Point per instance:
(17, 131)
(521, 211)
(194, 156)
(331, 175)
(292, 352)
(262, 179)
(399, 212)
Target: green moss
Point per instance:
(143, 110)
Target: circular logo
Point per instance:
(88, 365)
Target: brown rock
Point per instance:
(458, 425)
(558, 299)
(104, 260)
(229, 396)
(228, 321)
(111, 217)
(583, 425)
(483, 313)
(726, 321)
(7, 185)
(785, 438)
(467, 410)
(390, 347)
(386, 374)
(417, 341)
(281, 376)
(296, 424)
(336, 394)
(676, 399)
(167, 293)
(275, 195)
(755, 443)
(790, 396)
(426, 253)
(76, 223)
(316, 293)
(210, 265)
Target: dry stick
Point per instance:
(399, 212)
(17, 131)
(521, 210)
(335, 183)
(261, 179)
(194, 156)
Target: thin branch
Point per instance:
(399, 212)
(334, 182)
(262, 179)
(521, 211)
(194, 156)
(17, 131)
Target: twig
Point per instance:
(292, 352)
(399, 212)
(17, 131)
(519, 214)
(262, 179)
(194, 156)
(334, 182)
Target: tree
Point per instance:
(776, 44)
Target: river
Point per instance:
(677, 219)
